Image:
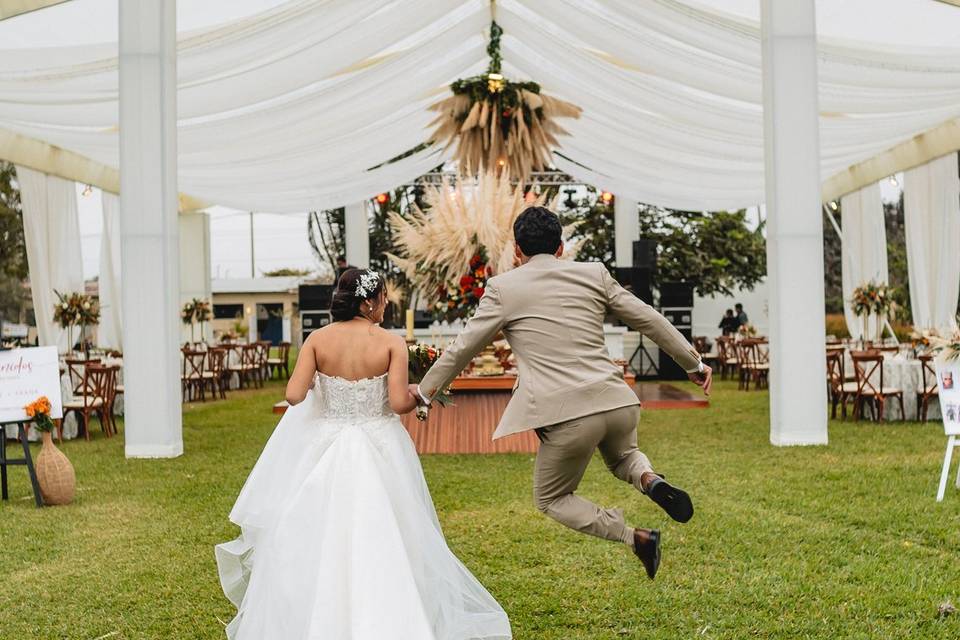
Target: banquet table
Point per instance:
(903, 372)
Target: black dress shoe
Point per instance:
(647, 548)
(671, 499)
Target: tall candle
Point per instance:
(409, 325)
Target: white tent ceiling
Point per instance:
(284, 106)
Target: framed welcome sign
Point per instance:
(948, 385)
(25, 375)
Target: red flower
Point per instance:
(478, 292)
(466, 282)
(475, 261)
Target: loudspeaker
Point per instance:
(315, 297)
(312, 320)
(676, 294)
(676, 305)
(668, 369)
(645, 254)
(638, 280)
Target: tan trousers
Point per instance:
(566, 450)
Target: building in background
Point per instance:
(256, 308)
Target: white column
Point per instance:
(148, 223)
(357, 235)
(195, 265)
(798, 396)
(626, 229)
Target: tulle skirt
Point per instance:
(340, 540)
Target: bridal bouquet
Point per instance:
(421, 359)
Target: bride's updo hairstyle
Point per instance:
(354, 287)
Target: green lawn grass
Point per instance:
(843, 541)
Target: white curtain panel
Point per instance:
(51, 230)
(110, 331)
(931, 207)
(864, 250)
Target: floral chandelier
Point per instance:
(497, 123)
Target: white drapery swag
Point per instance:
(110, 332)
(51, 231)
(287, 110)
(864, 251)
(931, 209)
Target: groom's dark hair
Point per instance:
(538, 230)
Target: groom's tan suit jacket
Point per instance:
(551, 312)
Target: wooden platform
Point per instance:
(468, 425)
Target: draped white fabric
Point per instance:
(110, 331)
(288, 109)
(931, 208)
(864, 250)
(51, 231)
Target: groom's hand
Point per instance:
(414, 391)
(703, 379)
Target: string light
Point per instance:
(382, 198)
(893, 181)
(606, 197)
(501, 162)
(833, 205)
(87, 190)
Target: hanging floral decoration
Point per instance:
(457, 300)
(463, 229)
(497, 123)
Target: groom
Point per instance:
(568, 389)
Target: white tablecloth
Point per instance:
(904, 373)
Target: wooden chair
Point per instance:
(838, 388)
(76, 369)
(217, 366)
(263, 360)
(753, 364)
(868, 367)
(96, 381)
(727, 359)
(280, 364)
(246, 369)
(929, 388)
(193, 374)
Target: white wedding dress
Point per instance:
(339, 537)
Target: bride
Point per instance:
(339, 537)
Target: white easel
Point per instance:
(949, 397)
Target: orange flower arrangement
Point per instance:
(39, 410)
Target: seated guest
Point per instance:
(741, 315)
(729, 323)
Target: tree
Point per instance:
(594, 230)
(286, 271)
(13, 251)
(325, 232)
(716, 251)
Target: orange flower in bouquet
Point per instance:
(39, 410)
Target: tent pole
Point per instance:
(798, 391)
(150, 256)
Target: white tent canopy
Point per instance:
(285, 106)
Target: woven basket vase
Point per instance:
(58, 482)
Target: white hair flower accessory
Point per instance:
(367, 283)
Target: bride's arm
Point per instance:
(302, 377)
(397, 377)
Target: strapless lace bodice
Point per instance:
(342, 398)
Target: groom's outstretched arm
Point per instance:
(643, 318)
(476, 335)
